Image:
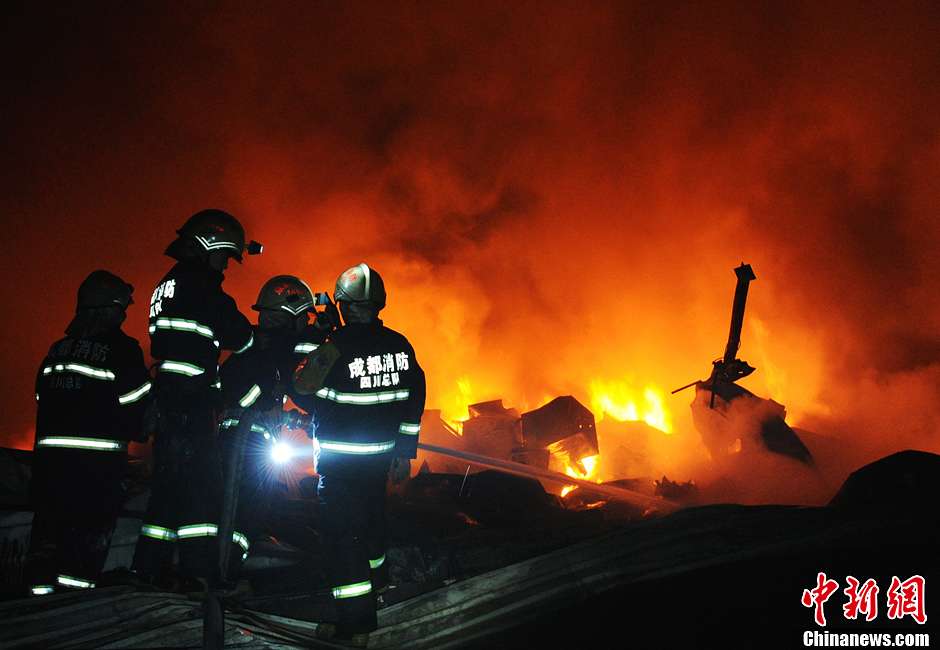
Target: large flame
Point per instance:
(620, 401)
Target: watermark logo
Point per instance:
(902, 598)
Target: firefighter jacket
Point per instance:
(191, 320)
(91, 393)
(260, 377)
(365, 391)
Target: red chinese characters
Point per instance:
(904, 598)
(817, 597)
(862, 599)
(907, 598)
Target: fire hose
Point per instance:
(247, 419)
(236, 459)
(622, 494)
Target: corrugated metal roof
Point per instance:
(122, 617)
(539, 600)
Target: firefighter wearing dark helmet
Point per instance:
(192, 320)
(365, 391)
(255, 385)
(91, 391)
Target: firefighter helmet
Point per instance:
(104, 289)
(207, 231)
(285, 292)
(360, 284)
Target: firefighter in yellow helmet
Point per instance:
(365, 392)
(91, 390)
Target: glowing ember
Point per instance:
(589, 463)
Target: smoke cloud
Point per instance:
(556, 193)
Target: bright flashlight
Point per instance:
(281, 452)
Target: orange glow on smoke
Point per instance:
(555, 194)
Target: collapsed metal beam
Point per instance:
(745, 275)
(609, 491)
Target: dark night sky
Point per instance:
(555, 192)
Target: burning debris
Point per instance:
(493, 430)
(683, 492)
(555, 445)
(560, 436)
(730, 417)
(566, 430)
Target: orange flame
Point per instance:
(589, 462)
(620, 401)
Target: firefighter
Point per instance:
(191, 320)
(91, 390)
(365, 392)
(255, 386)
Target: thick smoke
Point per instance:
(556, 193)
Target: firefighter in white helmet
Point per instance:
(192, 320)
(365, 392)
(91, 390)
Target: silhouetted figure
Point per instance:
(91, 391)
(191, 320)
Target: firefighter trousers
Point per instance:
(186, 497)
(76, 497)
(352, 511)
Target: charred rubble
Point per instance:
(729, 416)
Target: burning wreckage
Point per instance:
(728, 416)
(508, 544)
